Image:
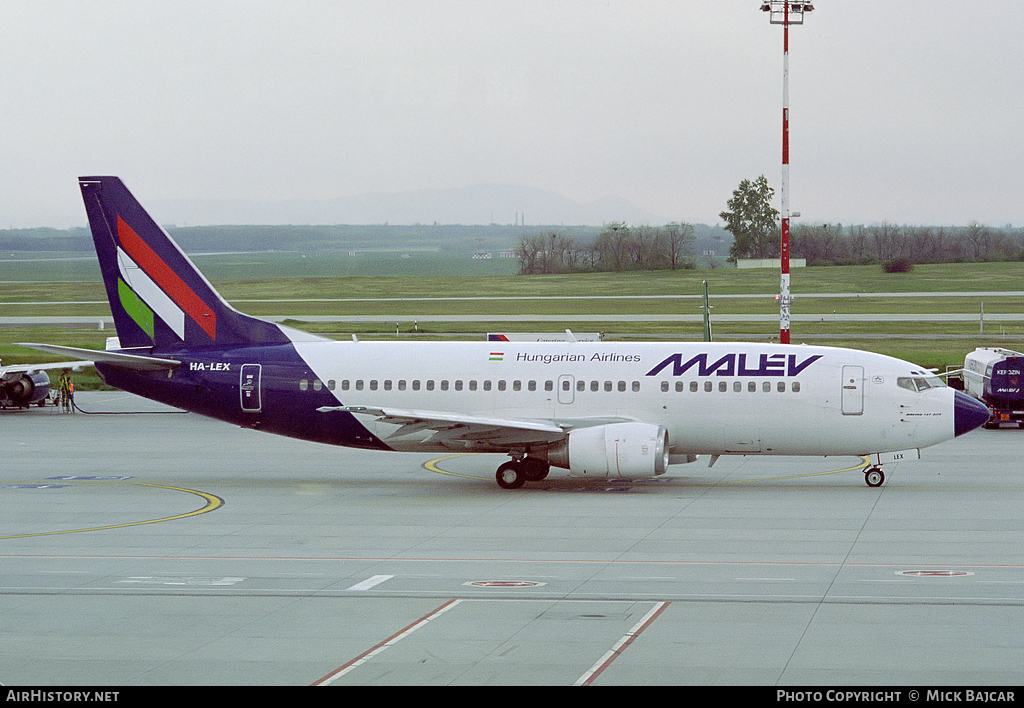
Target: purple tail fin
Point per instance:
(157, 295)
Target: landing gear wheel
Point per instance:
(874, 477)
(535, 469)
(510, 475)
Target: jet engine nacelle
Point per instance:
(626, 450)
(25, 389)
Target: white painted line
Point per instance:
(389, 642)
(370, 582)
(882, 580)
(605, 661)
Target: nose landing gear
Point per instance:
(874, 477)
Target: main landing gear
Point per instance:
(515, 473)
(874, 476)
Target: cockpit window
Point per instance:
(919, 383)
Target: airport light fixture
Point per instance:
(785, 13)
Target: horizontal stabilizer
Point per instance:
(128, 361)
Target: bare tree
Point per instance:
(679, 239)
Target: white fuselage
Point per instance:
(713, 398)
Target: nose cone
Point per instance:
(968, 413)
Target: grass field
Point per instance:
(219, 267)
(286, 289)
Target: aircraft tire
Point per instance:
(510, 475)
(874, 477)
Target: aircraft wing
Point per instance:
(129, 361)
(473, 430)
(34, 368)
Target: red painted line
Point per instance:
(166, 278)
(553, 561)
(390, 641)
(616, 651)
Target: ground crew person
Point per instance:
(64, 388)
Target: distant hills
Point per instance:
(481, 218)
(477, 205)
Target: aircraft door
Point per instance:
(250, 387)
(566, 388)
(853, 390)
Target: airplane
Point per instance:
(605, 410)
(23, 385)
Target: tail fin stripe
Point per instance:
(167, 280)
(135, 307)
(149, 295)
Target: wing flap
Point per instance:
(459, 428)
(473, 431)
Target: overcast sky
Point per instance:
(907, 112)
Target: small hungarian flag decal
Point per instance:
(497, 356)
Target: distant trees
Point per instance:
(754, 225)
(617, 248)
(832, 244)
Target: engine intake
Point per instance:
(623, 450)
(25, 389)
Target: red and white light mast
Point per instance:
(785, 13)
